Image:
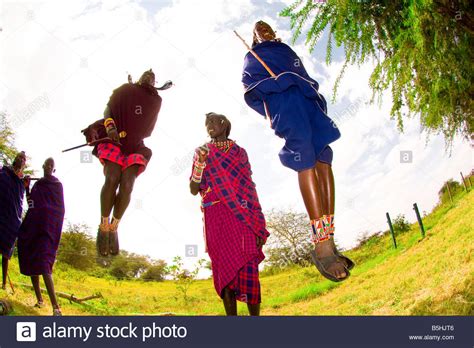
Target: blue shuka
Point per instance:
(11, 200)
(297, 110)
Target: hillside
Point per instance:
(430, 276)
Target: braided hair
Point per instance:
(223, 119)
(255, 39)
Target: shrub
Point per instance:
(400, 224)
(77, 247)
(156, 272)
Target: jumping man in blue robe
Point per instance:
(298, 114)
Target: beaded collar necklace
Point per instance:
(223, 145)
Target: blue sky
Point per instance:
(60, 62)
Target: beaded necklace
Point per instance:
(223, 145)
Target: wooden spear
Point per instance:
(92, 143)
(256, 55)
(267, 68)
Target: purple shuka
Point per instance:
(11, 199)
(40, 232)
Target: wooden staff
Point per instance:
(256, 55)
(267, 68)
(92, 143)
(70, 297)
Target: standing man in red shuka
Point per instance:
(130, 117)
(234, 225)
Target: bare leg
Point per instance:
(36, 287)
(4, 271)
(325, 179)
(230, 303)
(124, 195)
(326, 185)
(122, 200)
(311, 192)
(48, 281)
(112, 172)
(254, 309)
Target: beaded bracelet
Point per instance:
(109, 124)
(109, 121)
(198, 170)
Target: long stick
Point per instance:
(256, 55)
(69, 297)
(92, 143)
(86, 144)
(267, 112)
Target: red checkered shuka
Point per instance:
(246, 284)
(232, 247)
(112, 153)
(230, 176)
(232, 224)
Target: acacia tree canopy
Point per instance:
(422, 49)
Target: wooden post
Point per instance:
(420, 222)
(463, 181)
(391, 230)
(449, 192)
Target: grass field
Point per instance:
(430, 276)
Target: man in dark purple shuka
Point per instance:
(40, 233)
(12, 189)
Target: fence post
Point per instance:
(449, 192)
(463, 181)
(420, 222)
(391, 230)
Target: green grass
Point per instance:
(430, 276)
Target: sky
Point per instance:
(60, 61)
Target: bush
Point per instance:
(184, 278)
(400, 224)
(156, 272)
(77, 247)
(128, 266)
(454, 187)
